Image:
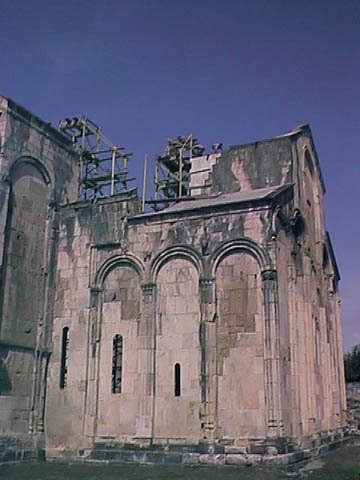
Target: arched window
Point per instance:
(177, 375)
(117, 364)
(64, 357)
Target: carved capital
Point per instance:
(148, 289)
(206, 290)
(206, 282)
(94, 295)
(269, 275)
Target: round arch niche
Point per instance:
(177, 395)
(240, 346)
(121, 283)
(25, 247)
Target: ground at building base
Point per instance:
(342, 463)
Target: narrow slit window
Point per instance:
(117, 364)
(177, 372)
(64, 357)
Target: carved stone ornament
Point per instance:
(269, 275)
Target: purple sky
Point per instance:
(225, 70)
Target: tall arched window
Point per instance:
(64, 357)
(117, 364)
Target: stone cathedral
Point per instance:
(207, 331)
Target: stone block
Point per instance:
(212, 459)
(191, 458)
(237, 459)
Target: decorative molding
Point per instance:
(180, 251)
(242, 244)
(148, 289)
(35, 163)
(128, 260)
(207, 296)
(269, 275)
(206, 282)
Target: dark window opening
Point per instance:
(64, 357)
(117, 364)
(317, 342)
(177, 380)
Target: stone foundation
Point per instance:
(277, 452)
(15, 449)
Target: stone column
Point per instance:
(90, 410)
(208, 358)
(146, 361)
(272, 355)
(296, 427)
(44, 323)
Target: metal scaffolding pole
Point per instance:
(103, 166)
(172, 170)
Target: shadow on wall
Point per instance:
(5, 383)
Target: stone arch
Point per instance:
(115, 261)
(240, 343)
(177, 327)
(35, 163)
(245, 245)
(118, 313)
(312, 192)
(25, 244)
(309, 161)
(182, 251)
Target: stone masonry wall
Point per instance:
(240, 348)
(86, 247)
(216, 323)
(177, 342)
(38, 170)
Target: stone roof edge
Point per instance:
(38, 124)
(267, 200)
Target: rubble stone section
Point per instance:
(25, 255)
(227, 306)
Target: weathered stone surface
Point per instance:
(227, 306)
(237, 459)
(353, 406)
(191, 458)
(212, 459)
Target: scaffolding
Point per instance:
(172, 170)
(103, 166)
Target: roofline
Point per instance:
(37, 123)
(296, 131)
(265, 201)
